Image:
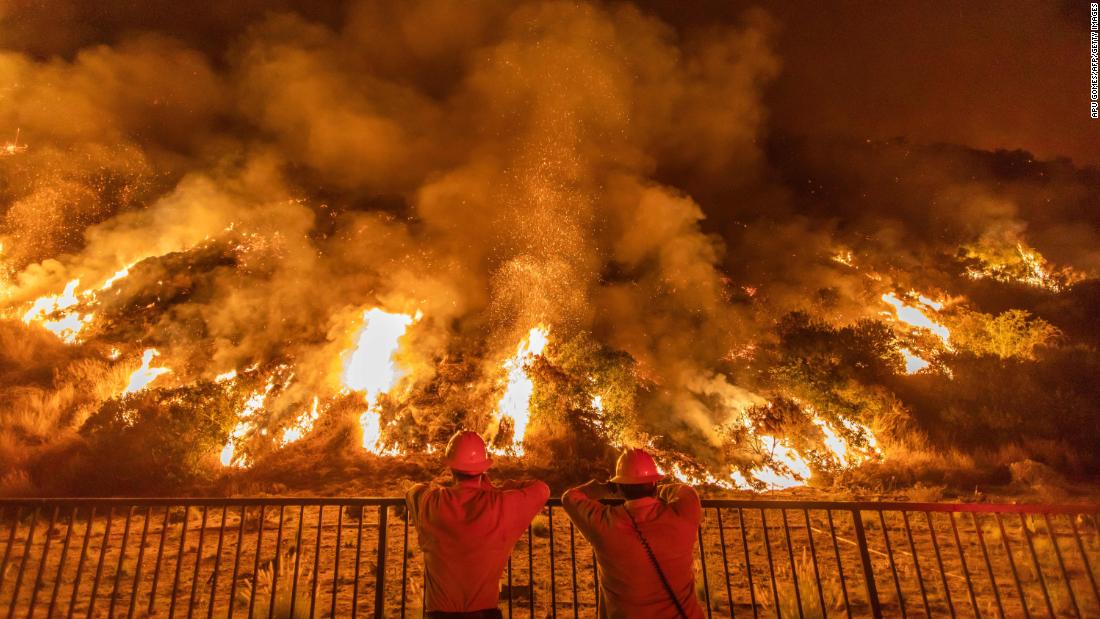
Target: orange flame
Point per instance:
(515, 404)
(144, 375)
(370, 368)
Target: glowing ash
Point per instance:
(14, 147)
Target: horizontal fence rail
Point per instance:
(348, 557)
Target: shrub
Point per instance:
(157, 440)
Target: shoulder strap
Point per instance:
(656, 566)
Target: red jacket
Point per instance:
(466, 532)
(630, 587)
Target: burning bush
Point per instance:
(156, 441)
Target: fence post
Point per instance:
(868, 573)
(380, 568)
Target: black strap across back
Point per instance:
(656, 566)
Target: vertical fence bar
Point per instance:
(404, 565)
(839, 563)
(916, 562)
(4, 562)
(703, 562)
(80, 561)
(255, 561)
(121, 561)
(531, 571)
(989, 566)
(218, 564)
(316, 562)
(297, 559)
(939, 563)
(276, 563)
(380, 570)
(966, 570)
(42, 562)
(61, 563)
(1038, 566)
(198, 565)
(595, 578)
(868, 571)
(1085, 558)
(358, 547)
(794, 568)
(1012, 564)
(573, 566)
(890, 560)
(134, 586)
(553, 582)
(771, 566)
(160, 555)
(237, 563)
(725, 559)
(99, 564)
(813, 560)
(748, 562)
(11, 541)
(179, 561)
(336, 561)
(1062, 565)
(23, 561)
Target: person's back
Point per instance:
(466, 532)
(631, 585)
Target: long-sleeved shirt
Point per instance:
(630, 586)
(466, 532)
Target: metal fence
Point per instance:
(347, 557)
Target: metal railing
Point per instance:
(346, 557)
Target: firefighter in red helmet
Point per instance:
(644, 546)
(467, 530)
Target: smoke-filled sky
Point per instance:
(669, 177)
(1012, 76)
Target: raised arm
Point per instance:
(683, 499)
(584, 507)
(412, 501)
(524, 501)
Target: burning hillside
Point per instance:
(562, 225)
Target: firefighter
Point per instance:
(643, 546)
(467, 530)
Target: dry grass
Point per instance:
(787, 604)
(281, 575)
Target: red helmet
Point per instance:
(466, 453)
(636, 466)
